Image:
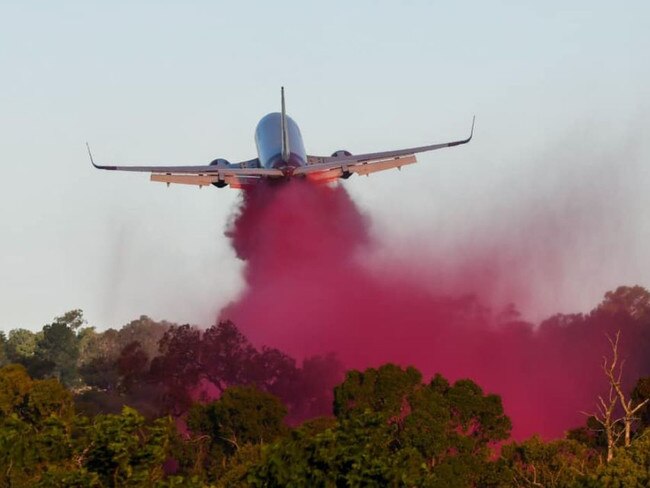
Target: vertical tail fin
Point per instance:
(286, 152)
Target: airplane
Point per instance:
(281, 155)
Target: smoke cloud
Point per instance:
(312, 289)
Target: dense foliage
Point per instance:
(158, 404)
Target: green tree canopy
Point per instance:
(393, 430)
(124, 451)
(554, 464)
(229, 431)
(21, 344)
(31, 400)
(630, 467)
(382, 390)
(35, 423)
(74, 319)
(58, 348)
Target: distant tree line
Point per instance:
(165, 405)
(163, 368)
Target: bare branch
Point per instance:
(615, 381)
(639, 406)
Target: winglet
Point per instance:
(464, 141)
(98, 166)
(286, 152)
(91, 156)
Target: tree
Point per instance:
(97, 363)
(123, 451)
(178, 368)
(556, 463)
(613, 370)
(274, 371)
(239, 466)
(359, 451)
(131, 366)
(591, 435)
(461, 410)
(43, 443)
(606, 419)
(4, 359)
(88, 339)
(192, 363)
(630, 467)
(226, 431)
(58, 348)
(48, 398)
(393, 430)
(476, 416)
(74, 319)
(94, 345)
(243, 415)
(640, 395)
(633, 301)
(311, 395)
(630, 407)
(35, 425)
(30, 400)
(227, 356)
(15, 385)
(144, 330)
(21, 345)
(27, 451)
(381, 390)
(100, 373)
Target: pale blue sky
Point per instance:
(560, 89)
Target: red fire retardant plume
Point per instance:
(309, 291)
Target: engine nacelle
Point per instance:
(220, 163)
(341, 153)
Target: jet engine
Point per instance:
(220, 163)
(340, 154)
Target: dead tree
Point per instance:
(605, 417)
(614, 378)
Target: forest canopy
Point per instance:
(161, 404)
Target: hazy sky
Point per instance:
(560, 90)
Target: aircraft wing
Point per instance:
(235, 175)
(325, 167)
